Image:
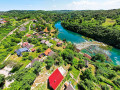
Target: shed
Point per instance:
(43, 41)
(33, 50)
(70, 87)
(41, 55)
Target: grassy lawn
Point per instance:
(109, 22)
(75, 72)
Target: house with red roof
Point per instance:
(56, 77)
(46, 30)
(25, 44)
(59, 44)
(28, 35)
(47, 51)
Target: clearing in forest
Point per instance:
(109, 22)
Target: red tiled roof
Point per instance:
(55, 79)
(4, 21)
(33, 50)
(46, 30)
(48, 51)
(28, 35)
(88, 56)
(24, 44)
(37, 34)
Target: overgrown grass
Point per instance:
(109, 22)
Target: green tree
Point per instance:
(2, 80)
(100, 57)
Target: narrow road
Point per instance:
(15, 30)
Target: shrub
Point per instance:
(105, 87)
(30, 58)
(25, 54)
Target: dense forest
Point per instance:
(100, 25)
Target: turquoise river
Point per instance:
(77, 38)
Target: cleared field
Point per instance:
(109, 22)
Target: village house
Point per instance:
(19, 51)
(56, 77)
(55, 39)
(88, 56)
(28, 35)
(2, 21)
(43, 41)
(46, 30)
(47, 52)
(59, 44)
(49, 44)
(51, 53)
(27, 45)
(41, 55)
(37, 34)
(46, 42)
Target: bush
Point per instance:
(25, 54)
(117, 82)
(105, 87)
(24, 58)
(100, 57)
(30, 58)
(2, 66)
(2, 80)
(39, 50)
